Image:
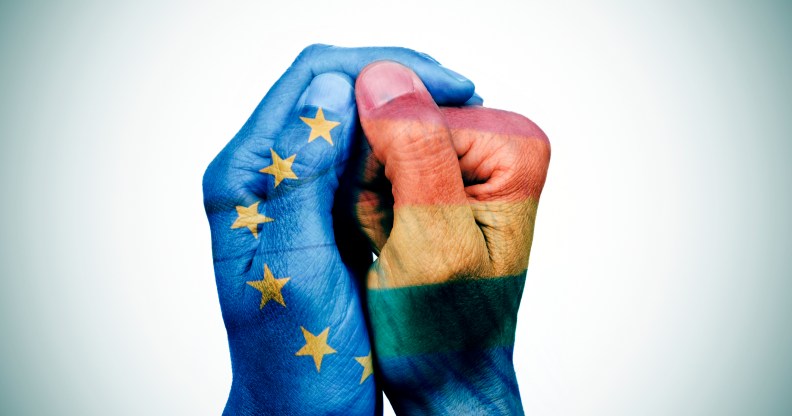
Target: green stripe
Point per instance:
(462, 315)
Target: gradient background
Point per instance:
(661, 277)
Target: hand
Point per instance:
(290, 303)
(448, 198)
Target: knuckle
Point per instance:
(310, 51)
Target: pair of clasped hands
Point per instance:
(383, 150)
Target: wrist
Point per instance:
(447, 348)
(473, 382)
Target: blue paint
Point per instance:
(324, 289)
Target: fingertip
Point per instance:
(475, 100)
(408, 134)
(332, 91)
(451, 89)
(381, 82)
(446, 86)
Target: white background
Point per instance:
(660, 277)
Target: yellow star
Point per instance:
(270, 287)
(250, 218)
(280, 168)
(320, 127)
(368, 366)
(316, 346)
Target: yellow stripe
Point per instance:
(441, 243)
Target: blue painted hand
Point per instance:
(289, 294)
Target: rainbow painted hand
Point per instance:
(448, 199)
(289, 286)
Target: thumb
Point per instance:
(409, 135)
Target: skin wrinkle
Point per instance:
(406, 263)
(507, 243)
(444, 190)
(513, 177)
(459, 371)
(486, 146)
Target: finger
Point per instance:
(409, 136)
(317, 137)
(503, 157)
(447, 87)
